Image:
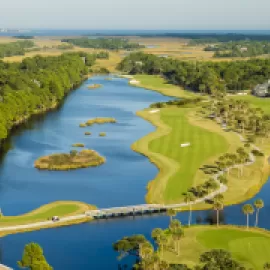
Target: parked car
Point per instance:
(55, 218)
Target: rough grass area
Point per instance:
(74, 160)
(157, 83)
(45, 212)
(251, 248)
(263, 103)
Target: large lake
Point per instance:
(120, 181)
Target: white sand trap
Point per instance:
(134, 81)
(185, 144)
(154, 111)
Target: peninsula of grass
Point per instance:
(102, 134)
(251, 248)
(179, 168)
(94, 86)
(82, 125)
(46, 212)
(78, 145)
(87, 133)
(73, 160)
(159, 84)
(100, 120)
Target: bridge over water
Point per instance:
(132, 210)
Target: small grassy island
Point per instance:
(87, 133)
(102, 134)
(73, 160)
(82, 125)
(78, 145)
(94, 86)
(100, 120)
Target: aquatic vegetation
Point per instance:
(82, 125)
(102, 134)
(73, 160)
(78, 145)
(87, 133)
(94, 86)
(100, 120)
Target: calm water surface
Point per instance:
(121, 181)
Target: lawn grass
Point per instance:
(178, 166)
(263, 103)
(45, 212)
(251, 248)
(204, 145)
(159, 84)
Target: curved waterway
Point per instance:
(120, 181)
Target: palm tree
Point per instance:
(171, 213)
(177, 235)
(189, 197)
(248, 210)
(259, 204)
(160, 238)
(217, 206)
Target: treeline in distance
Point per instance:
(15, 48)
(205, 77)
(104, 43)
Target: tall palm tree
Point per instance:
(189, 198)
(217, 206)
(160, 238)
(259, 204)
(177, 235)
(248, 210)
(171, 213)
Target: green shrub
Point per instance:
(78, 145)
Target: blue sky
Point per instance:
(136, 14)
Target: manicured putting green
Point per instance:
(250, 248)
(203, 145)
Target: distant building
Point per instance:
(244, 49)
(262, 90)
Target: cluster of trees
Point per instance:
(204, 77)
(239, 116)
(36, 85)
(147, 257)
(15, 48)
(104, 43)
(201, 39)
(248, 210)
(239, 48)
(33, 258)
(177, 103)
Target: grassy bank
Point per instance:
(46, 212)
(251, 248)
(156, 83)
